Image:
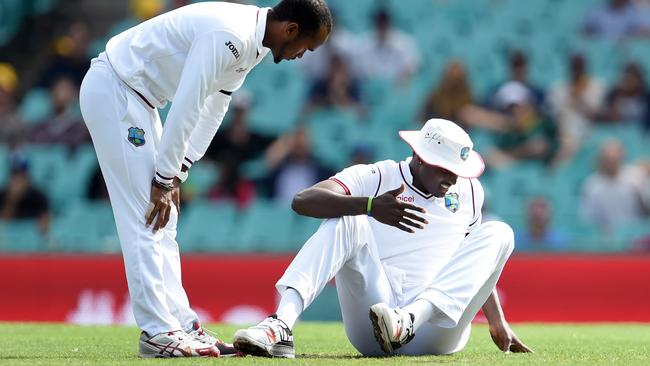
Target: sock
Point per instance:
(422, 310)
(290, 307)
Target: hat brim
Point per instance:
(473, 167)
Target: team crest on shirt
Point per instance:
(136, 136)
(451, 202)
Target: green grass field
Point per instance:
(326, 344)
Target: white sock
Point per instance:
(422, 310)
(290, 307)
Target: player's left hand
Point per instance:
(176, 195)
(506, 339)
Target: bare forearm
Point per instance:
(322, 203)
(492, 308)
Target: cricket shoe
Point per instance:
(203, 335)
(393, 327)
(174, 344)
(270, 338)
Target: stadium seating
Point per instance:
(479, 32)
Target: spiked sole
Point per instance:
(380, 329)
(251, 347)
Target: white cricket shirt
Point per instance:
(194, 56)
(414, 260)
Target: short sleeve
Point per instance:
(359, 180)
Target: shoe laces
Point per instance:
(206, 335)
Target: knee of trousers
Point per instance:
(501, 234)
(353, 231)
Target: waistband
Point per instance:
(104, 58)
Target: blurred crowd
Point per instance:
(525, 122)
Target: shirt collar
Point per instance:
(260, 29)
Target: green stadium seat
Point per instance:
(266, 226)
(36, 106)
(40, 7)
(85, 227)
(21, 236)
(46, 164)
(207, 227)
(72, 184)
(304, 228)
(202, 178)
(11, 16)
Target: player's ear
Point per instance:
(292, 30)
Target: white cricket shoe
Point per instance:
(270, 338)
(174, 344)
(393, 327)
(203, 335)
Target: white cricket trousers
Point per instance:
(345, 248)
(152, 261)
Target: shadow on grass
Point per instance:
(391, 359)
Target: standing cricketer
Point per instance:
(406, 245)
(195, 56)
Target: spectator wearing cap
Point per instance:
(521, 131)
(12, 128)
(20, 200)
(518, 72)
(70, 59)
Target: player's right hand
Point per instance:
(160, 206)
(388, 210)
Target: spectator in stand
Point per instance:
(236, 142)
(12, 128)
(539, 235)
(66, 127)
(617, 20)
(519, 73)
(629, 99)
(521, 132)
(575, 105)
(611, 196)
(292, 165)
(70, 59)
(452, 94)
(20, 200)
(341, 43)
(388, 53)
(231, 185)
(338, 89)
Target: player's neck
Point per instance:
(268, 30)
(416, 178)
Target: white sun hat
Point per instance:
(443, 143)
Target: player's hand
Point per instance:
(388, 210)
(160, 206)
(506, 339)
(176, 195)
